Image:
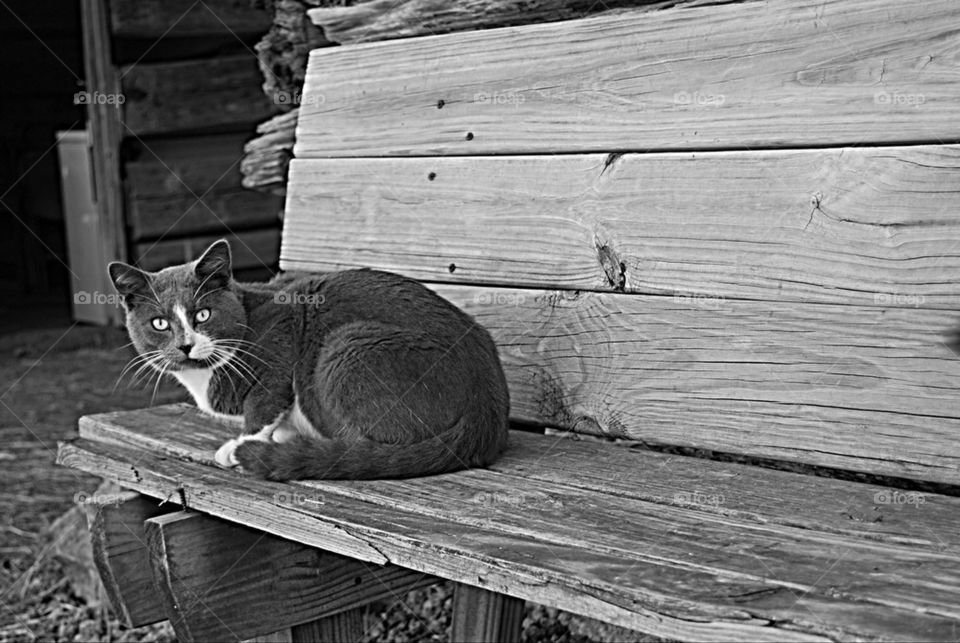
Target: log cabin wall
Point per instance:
(173, 92)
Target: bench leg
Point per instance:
(120, 554)
(220, 581)
(482, 616)
(345, 627)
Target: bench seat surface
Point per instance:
(676, 546)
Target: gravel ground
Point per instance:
(49, 378)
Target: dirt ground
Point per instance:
(48, 379)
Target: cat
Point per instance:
(349, 375)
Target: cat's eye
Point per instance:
(202, 315)
(159, 323)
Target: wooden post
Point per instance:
(104, 121)
(482, 616)
(120, 554)
(221, 581)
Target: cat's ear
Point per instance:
(128, 281)
(213, 266)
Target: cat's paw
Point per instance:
(283, 433)
(225, 455)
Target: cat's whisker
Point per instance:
(145, 369)
(140, 362)
(235, 366)
(240, 350)
(156, 386)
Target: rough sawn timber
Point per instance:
(751, 75)
(877, 226)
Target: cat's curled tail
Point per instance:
(307, 458)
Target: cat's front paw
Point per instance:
(225, 454)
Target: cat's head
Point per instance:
(184, 316)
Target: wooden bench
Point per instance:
(727, 235)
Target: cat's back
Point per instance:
(387, 297)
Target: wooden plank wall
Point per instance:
(730, 227)
(168, 150)
(192, 184)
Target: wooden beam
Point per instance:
(102, 87)
(785, 74)
(653, 568)
(346, 626)
(482, 616)
(222, 581)
(121, 557)
(267, 156)
(192, 185)
(251, 249)
(164, 98)
(392, 19)
(871, 226)
(174, 18)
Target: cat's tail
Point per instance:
(303, 458)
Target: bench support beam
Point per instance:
(120, 554)
(482, 616)
(221, 581)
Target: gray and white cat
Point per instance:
(356, 374)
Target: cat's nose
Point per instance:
(185, 349)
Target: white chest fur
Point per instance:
(197, 381)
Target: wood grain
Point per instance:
(121, 557)
(192, 185)
(165, 98)
(862, 388)
(482, 616)
(752, 494)
(734, 76)
(172, 18)
(877, 226)
(250, 248)
(106, 131)
(392, 19)
(818, 586)
(222, 581)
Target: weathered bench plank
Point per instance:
(877, 226)
(731, 76)
(784, 569)
(222, 581)
(749, 493)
